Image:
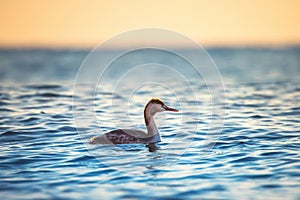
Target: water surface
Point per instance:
(256, 155)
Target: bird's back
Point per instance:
(122, 136)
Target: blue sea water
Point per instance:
(44, 146)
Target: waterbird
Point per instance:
(128, 136)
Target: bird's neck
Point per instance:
(152, 129)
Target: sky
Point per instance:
(80, 23)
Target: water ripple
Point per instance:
(43, 157)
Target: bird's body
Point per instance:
(127, 136)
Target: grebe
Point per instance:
(127, 136)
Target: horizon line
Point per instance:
(93, 45)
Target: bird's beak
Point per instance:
(170, 109)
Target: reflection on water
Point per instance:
(256, 156)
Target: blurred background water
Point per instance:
(256, 155)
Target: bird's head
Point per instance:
(156, 105)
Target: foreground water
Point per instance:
(256, 155)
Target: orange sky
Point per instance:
(87, 23)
